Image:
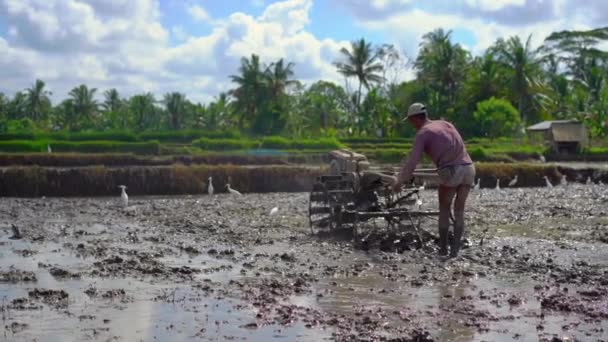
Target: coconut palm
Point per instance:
(143, 110)
(175, 104)
(17, 107)
(442, 66)
(217, 112)
(249, 91)
(112, 101)
(523, 70)
(38, 102)
(278, 77)
(84, 103)
(362, 62)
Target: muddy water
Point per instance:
(221, 268)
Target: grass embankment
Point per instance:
(157, 180)
(37, 146)
(127, 159)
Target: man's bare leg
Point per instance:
(462, 193)
(446, 196)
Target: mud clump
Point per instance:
(17, 276)
(17, 327)
(288, 257)
(191, 250)
(23, 304)
(60, 273)
(590, 303)
(58, 298)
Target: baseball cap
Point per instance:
(415, 109)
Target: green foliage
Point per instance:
(25, 126)
(148, 147)
(496, 118)
(22, 146)
(208, 144)
(187, 136)
(94, 136)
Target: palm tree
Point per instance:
(3, 106)
(17, 107)
(143, 110)
(217, 112)
(278, 77)
(84, 103)
(442, 65)
(38, 102)
(66, 116)
(522, 66)
(484, 80)
(112, 101)
(175, 105)
(361, 62)
(249, 90)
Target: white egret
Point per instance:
(477, 185)
(588, 180)
(232, 191)
(48, 149)
(513, 181)
(563, 181)
(497, 184)
(422, 187)
(210, 186)
(418, 204)
(542, 159)
(274, 211)
(548, 182)
(123, 196)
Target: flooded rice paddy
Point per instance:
(215, 268)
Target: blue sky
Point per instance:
(192, 46)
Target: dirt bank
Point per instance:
(34, 181)
(222, 268)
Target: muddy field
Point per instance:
(216, 268)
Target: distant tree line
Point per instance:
(495, 94)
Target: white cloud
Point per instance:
(199, 13)
(494, 5)
(407, 27)
(179, 33)
(122, 44)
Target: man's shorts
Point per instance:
(456, 175)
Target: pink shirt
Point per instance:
(441, 142)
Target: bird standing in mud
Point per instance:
(497, 184)
(48, 149)
(588, 182)
(563, 181)
(513, 181)
(548, 182)
(274, 211)
(123, 196)
(210, 186)
(232, 191)
(477, 185)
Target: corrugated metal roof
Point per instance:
(545, 125)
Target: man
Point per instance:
(443, 144)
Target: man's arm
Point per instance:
(412, 160)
